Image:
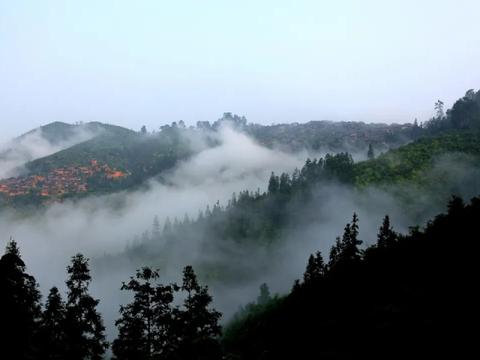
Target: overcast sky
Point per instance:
(152, 62)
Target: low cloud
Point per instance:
(104, 227)
(17, 152)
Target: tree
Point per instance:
(146, 328)
(346, 251)
(19, 306)
(84, 325)
(143, 130)
(156, 233)
(264, 296)
(315, 268)
(370, 153)
(335, 251)
(284, 183)
(273, 184)
(199, 326)
(386, 236)
(350, 240)
(167, 227)
(440, 113)
(53, 339)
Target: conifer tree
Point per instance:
(264, 296)
(156, 233)
(53, 338)
(273, 184)
(346, 250)
(315, 268)
(386, 236)
(19, 307)
(199, 324)
(83, 325)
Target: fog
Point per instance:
(34, 145)
(104, 227)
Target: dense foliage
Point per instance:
(407, 296)
(404, 295)
(150, 327)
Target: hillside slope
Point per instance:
(408, 296)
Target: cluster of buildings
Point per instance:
(57, 182)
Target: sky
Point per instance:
(153, 62)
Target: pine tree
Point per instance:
(167, 227)
(386, 236)
(19, 307)
(273, 184)
(346, 251)
(315, 268)
(264, 296)
(199, 324)
(84, 325)
(335, 252)
(53, 338)
(350, 240)
(284, 184)
(156, 228)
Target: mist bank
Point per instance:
(34, 145)
(116, 231)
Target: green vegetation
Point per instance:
(406, 296)
(411, 162)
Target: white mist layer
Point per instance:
(34, 145)
(107, 224)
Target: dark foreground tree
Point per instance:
(146, 328)
(199, 324)
(19, 307)
(84, 329)
(409, 298)
(150, 327)
(386, 236)
(315, 268)
(52, 332)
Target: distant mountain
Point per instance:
(115, 159)
(141, 156)
(334, 136)
(59, 132)
(102, 158)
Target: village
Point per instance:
(58, 182)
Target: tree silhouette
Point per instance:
(315, 268)
(19, 306)
(83, 325)
(199, 324)
(386, 236)
(53, 338)
(264, 296)
(346, 252)
(146, 328)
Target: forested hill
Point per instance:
(407, 296)
(263, 219)
(138, 156)
(129, 158)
